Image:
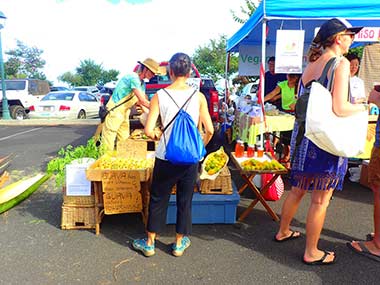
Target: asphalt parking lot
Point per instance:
(35, 250)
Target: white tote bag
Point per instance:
(340, 136)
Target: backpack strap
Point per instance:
(171, 121)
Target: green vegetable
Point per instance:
(66, 155)
(16, 192)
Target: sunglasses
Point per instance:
(352, 35)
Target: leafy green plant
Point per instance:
(66, 155)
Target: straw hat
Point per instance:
(153, 66)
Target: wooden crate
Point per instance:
(94, 173)
(78, 217)
(221, 185)
(138, 136)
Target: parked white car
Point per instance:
(90, 89)
(248, 93)
(66, 105)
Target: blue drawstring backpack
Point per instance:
(185, 145)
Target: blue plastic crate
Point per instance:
(208, 209)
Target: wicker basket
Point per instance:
(221, 185)
(78, 200)
(78, 217)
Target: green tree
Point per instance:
(70, 78)
(210, 59)
(246, 11)
(89, 73)
(25, 62)
(108, 76)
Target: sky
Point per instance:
(114, 33)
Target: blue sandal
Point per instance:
(141, 245)
(179, 250)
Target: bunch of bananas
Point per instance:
(125, 163)
(215, 161)
(253, 164)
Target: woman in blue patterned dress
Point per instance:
(312, 168)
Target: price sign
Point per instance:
(121, 191)
(121, 180)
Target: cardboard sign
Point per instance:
(121, 180)
(121, 191)
(120, 202)
(132, 148)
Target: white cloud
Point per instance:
(115, 35)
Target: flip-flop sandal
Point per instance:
(293, 235)
(322, 260)
(364, 251)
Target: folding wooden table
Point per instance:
(248, 178)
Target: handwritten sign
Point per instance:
(121, 191)
(132, 148)
(121, 180)
(120, 202)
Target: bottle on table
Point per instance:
(250, 150)
(260, 151)
(239, 148)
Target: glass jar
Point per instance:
(260, 151)
(239, 148)
(250, 150)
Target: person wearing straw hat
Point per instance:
(129, 90)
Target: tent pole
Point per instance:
(262, 83)
(226, 93)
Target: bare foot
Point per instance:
(370, 245)
(280, 237)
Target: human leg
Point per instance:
(158, 202)
(110, 126)
(184, 195)
(165, 175)
(185, 190)
(320, 200)
(289, 209)
(371, 248)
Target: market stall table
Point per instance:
(248, 176)
(247, 128)
(126, 191)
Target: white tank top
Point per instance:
(168, 109)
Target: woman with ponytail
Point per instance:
(313, 169)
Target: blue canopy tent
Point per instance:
(301, 14)
(273, 15)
